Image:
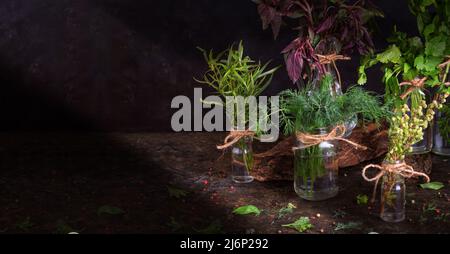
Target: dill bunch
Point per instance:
(309, 109)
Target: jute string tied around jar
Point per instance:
(234, 136)
(337, 133)
(331, 59)
(401, 169)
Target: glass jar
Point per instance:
(442, 131)
(242, 160)
(393, 190)
(316, 169)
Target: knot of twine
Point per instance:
(414, 84)
(401, 169)
(234, 136)
(337, 133)
(331, 59)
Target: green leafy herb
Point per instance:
(214, 228)
(25, 225)
(432, 186)
(309, 109)
(247, 209)
(301, 225)
(110, 210)
(286, 210)
(362, 199)
(176, 192)
(63, 228)
(348, 226)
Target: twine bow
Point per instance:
(234, 137)
(331, 59)
(337, 133)
(401, 169)
(414, 84)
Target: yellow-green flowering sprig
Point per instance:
(408, 125)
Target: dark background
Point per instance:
(115, 65)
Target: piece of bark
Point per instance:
(421, 163)
(277, 163)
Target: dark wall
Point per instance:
(115, 65)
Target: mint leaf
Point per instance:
(392, 54)
(176, 192)
(111, 210)
(436, 46)
(432, 186)
(348, 226)
(247, 209)
(286, 210)
(362, 199)
(301, 225)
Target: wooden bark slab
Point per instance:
(277, 163)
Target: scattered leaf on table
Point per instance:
(25, 225)
(301, 225)
(286, 210)
(111, 210)
(63, 228)
(176, 192)
(432, 186)
(362, 199)
(214, 228)
(348, 226)
(247, 209)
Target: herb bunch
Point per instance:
(307, 110)
(409, 58)
(419, 56)
(324, 27)
(233, 74)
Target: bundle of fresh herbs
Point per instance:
(413, 59)
(315, 113)
(308, 110)
(232, 75)
(416, 61)
(325, 27)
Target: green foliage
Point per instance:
(362, 199)
(301, 225)
(432, 186)
(418, 56)
(309, 109)
(63, 228)
(176, 192)
(25, 225)
(286, 210)
(233, 74)
(247, 209)
(110, 210)
(348, 226)
(214, 228)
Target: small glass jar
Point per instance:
(393, 191)
(316, 169)
(442, 131)
(242, 160)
